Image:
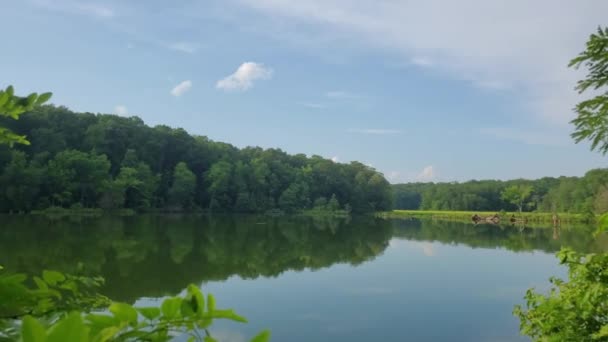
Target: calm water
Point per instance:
(306, 279)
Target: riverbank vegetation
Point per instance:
(85, 160)
(529, 218)
(587, 194)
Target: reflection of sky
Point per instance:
(415, 291)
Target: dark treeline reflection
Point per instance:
(509, 237)
(152, 256)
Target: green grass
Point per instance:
(465, 216)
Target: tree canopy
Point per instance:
(96, 160)
(563, 194)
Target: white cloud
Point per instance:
(339, 95)
(313, 105)
(96, 10)
(530, 137)
(374, 131)
(244, 76)
(75, 7)
(121, 110)
(335, 159)
(428, 174)
(421, 61)
(186, 47)
(181, 88)
(518, 44)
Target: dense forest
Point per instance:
(587, 194)
(86, 160)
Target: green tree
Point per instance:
(575, 310)
(591, 122)
(320, 203)
(220, 178)
(82, 174)
(181, 194)
(333, 204)
(517, 195)
(22, 181)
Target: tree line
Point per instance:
(111, 162)
(587, 194)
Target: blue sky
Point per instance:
(423, 90)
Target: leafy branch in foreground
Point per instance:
(59, 309)
(576, 310)
(592, 114)
(13, 106)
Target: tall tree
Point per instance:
(181, 193)
(517, 195)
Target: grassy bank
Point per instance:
(465, 216)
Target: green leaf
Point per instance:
(107, 334)
(40, 283)
(43, 98)
(170, 307)
(3, 99)
(32, 330)
(228, 314)
(52, 277)
(210, 303)
(149, 313)
(264, 336)
(31, 99)
(188, 306)
(197, 301)
(209, 339)
(71, 328)
(124, 312)
(102, 321)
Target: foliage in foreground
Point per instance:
(576, 310)
(12, 106)
(59, 309)
(592, 114)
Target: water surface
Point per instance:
(310, 279)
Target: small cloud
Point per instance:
(121, 110)
(186, 47)
(492, 85)
(393, 176)
(96, 10)
(421, 61)
(427, 174)
(339, 95)
(313, 105)
(181, 88)
(243, 78)
(375, 131)
(526, 136)
(76, 8)
(335, 159)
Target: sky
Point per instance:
(422, 90)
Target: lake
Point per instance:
(310, 279)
